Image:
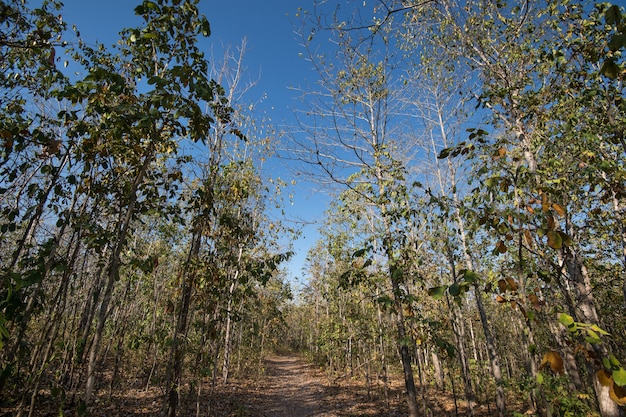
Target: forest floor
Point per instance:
(288, 387)
(293, 388)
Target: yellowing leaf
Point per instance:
(618, 394)
(566, 320)
(604, 378)
(597, 328)
(499, 153)
(553, 359)
(567, 241)
(555, 241)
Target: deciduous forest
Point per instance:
(474, 248)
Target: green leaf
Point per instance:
(437, 292)
(444, 153)
(566, 320)
(385, 300)
(610, 69)
(492, 182)
(593, 336)
(613, 15)
(397, 274)
(206, 28)
(82, 408)
(539, 378)
(150, 5)
(617, 42)
(454, 290)
(619, 376)
(470, 277)
(614, 361)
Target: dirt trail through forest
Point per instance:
(291, 389)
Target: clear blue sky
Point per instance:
(272, 56)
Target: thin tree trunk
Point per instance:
(227, 331)
(490, 342)
(177, 353)
(112, 276)
(459, 336)
(438, 370)
(19, 252)
(405, 356)
(383, 356)
(493, 355)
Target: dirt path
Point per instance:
(291, 389)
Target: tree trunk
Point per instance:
(227, 331)
(405, 355)
(493, 355)
(177, 354)
(383, 356)
(459, 336)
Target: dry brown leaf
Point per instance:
(528, 237)
(513, 286)
(558, 209)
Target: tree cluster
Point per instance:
(478, 234)
(134, 234)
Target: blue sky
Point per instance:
(273, 56)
